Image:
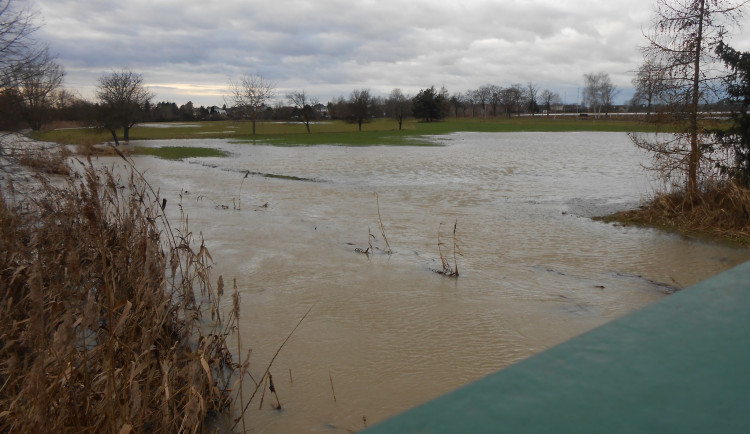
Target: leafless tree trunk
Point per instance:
(305, 107)
(122, 97)
(250, 95)
(683, 39)
(35, 84)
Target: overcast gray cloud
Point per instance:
(190, 49)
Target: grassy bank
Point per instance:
(378, 132)
(722, 213)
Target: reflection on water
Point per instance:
(391, 333)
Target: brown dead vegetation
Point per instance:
(104, 312)
(721, 211)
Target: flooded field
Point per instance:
(386, 332)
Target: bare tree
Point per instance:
(512, 99)
(359, 107)
(482, 96)
(683, 39)
(548, 98)
(598, 92)
(17, 45)
(532, 94)
(122, 99)
(250, 95)
(398, 106)
(35, 83)
(458, 102)
(651, 85)
(304, 107)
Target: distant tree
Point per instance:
(304, 107)
(359, 107)
(122, 99)
(651, 85)
(482, 96)
(532, 95)
(398, 106)
(428, 105)
(165, 112)
(187, 111)
(513, 98)
(496, 98)
(598, 92)
(548, 98)
(683, 39)
(458, 103)
(470, 101)
(35, 83)
(251, 95)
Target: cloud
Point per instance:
(330, 47)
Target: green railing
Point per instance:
(680, 365)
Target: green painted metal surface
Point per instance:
(681, 365)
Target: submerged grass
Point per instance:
(179, 152)
(377, 132)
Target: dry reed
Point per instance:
(101, 312)
(448, 269)
(721, 211)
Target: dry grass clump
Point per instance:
(721, 211)
(101, 306)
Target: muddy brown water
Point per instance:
(387, 331)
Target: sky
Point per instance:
(190, 50)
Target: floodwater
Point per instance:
(385, 332)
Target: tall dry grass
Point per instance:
(104, 312)
(720, 210)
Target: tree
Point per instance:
(250, 96)
(598, 92)
(18, 49)
(548, 98)
(398, 106)
(360, 107)
(458, 103)
(429, 105)
(35, 82)
(17, 46)
(482, 96)
(122, 99)
(683, 40)
(512, 99)
(650, 84)
(736, 138)
(304, 107)
(532, 92)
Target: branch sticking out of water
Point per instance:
(382, 229)
(448, 269)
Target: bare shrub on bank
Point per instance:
(102, 324)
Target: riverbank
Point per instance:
(722, 213)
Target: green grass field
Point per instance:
(378, 132)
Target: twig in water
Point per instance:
(268, 368)
(382, 229)
(272, 388)
(448, 269)
(330, 378)
(239, 196)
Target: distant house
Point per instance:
(322, 110)
(217, 111)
